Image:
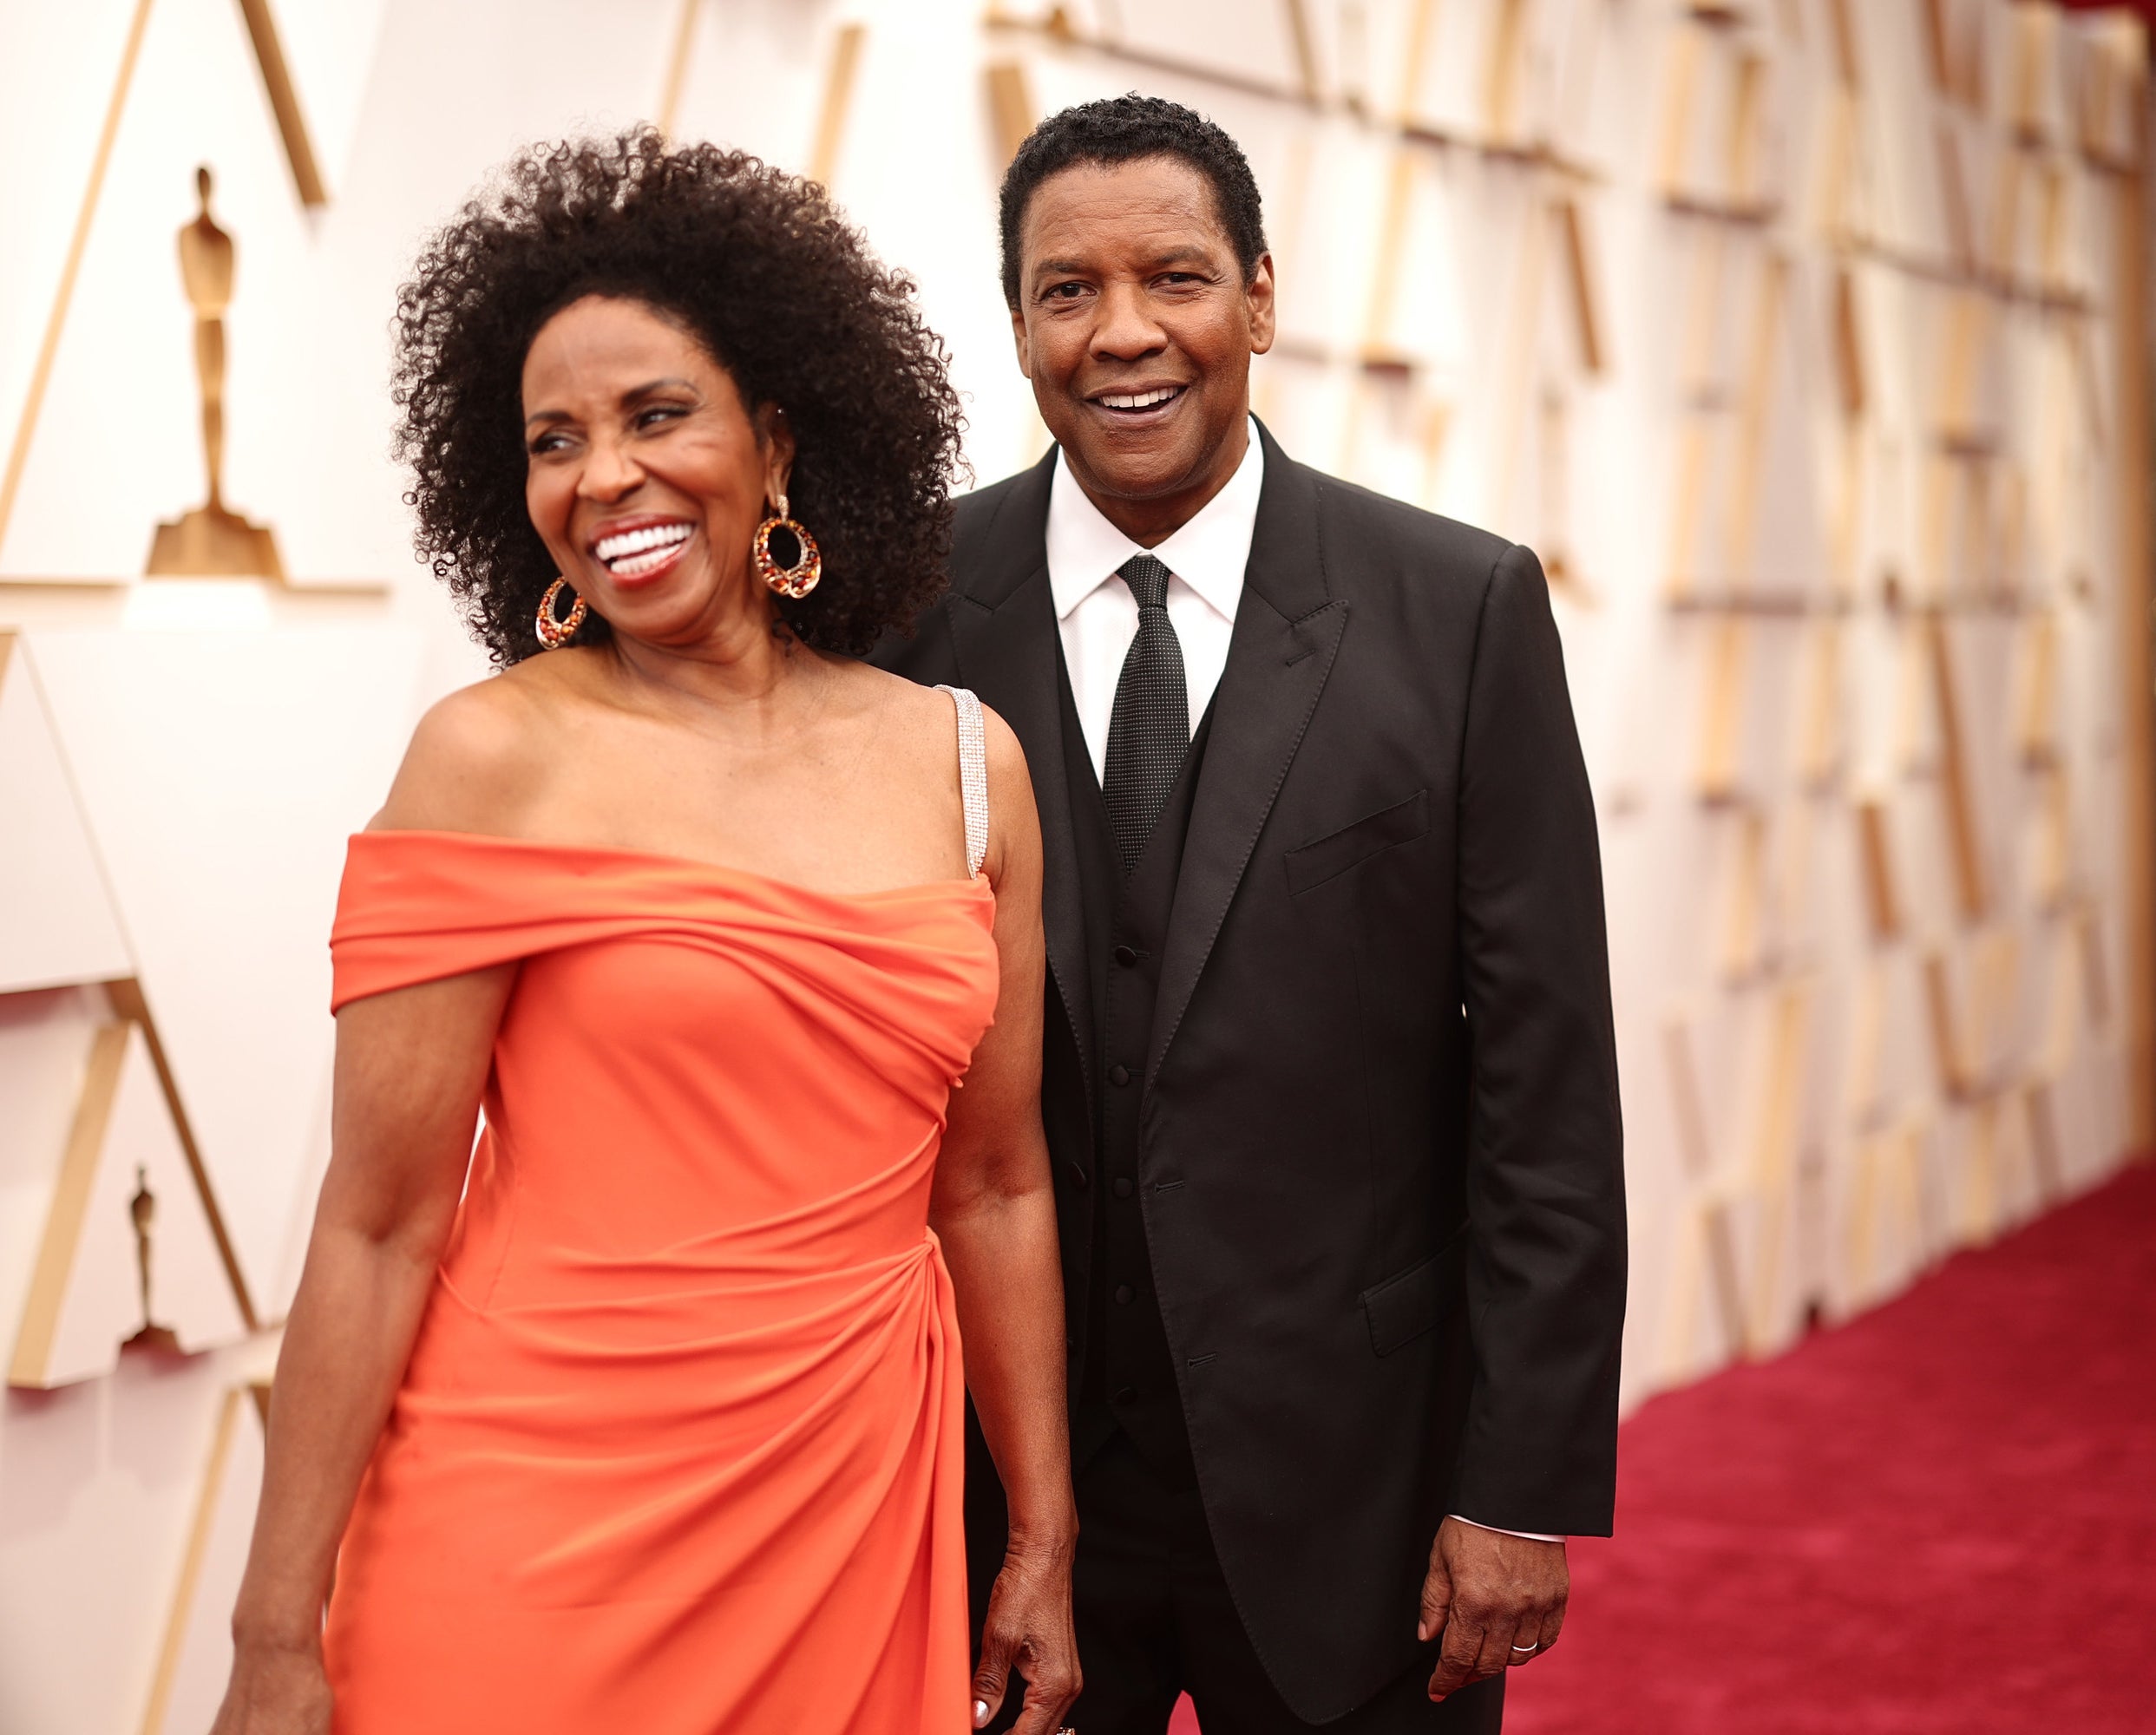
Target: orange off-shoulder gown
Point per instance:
(678, 1449)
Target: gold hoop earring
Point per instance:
(553, 634)
(796, 581)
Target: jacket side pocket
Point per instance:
(1404, 1306)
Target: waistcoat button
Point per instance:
(1076, 1173)
(1124, 955)
(1118, 1074)
(1122, 1187)
(1124, 1294)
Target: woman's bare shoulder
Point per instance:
(477, 758)
(1007, 756)
(919, 707)
(1013, 821)
(915, 725)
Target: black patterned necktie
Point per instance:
(1148, 731)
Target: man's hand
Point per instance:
(1498, 1599)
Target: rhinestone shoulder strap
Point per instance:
(973, 775)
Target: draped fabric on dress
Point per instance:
(678, 1449)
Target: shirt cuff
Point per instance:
(1530, 1535)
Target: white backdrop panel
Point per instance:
(61, 926)
(222, 772)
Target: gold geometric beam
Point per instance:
(1306, 48)
(224, 1502)
(678, 67)
(1580, 273)
(1010, 106)
(291, 123)
(70, 1205)
(1963, 833)
(838, 99)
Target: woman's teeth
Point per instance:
(1140, 400)
(636, 552)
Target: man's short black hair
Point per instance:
(1121, 129)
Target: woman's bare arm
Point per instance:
(411, 1067)
(994, 1211)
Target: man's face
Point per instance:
(1136, 329)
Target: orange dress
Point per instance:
(678, 1450)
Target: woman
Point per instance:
(658, 1428)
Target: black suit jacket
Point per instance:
(1380, 1160)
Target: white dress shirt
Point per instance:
(1098, 616)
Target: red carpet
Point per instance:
(1939, 1519)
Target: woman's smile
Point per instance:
(639, 551)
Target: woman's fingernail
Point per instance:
(980, 1713)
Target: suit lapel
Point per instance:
(1287, 631)
(1003, 626)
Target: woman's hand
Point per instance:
(994, 1211)
(275, 1690)
(1029, 1627)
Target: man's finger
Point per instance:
(1457, 1654)
(1499, 1632)
(1552, 1623)
(1539, 1618)
(1540, 1621)
(1522, 1645)
(1437, 1599)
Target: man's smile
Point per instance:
(1142, 404)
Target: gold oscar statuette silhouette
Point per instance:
(212, 541)
(143, 1208)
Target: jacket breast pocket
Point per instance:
(1404, 1306)
(1330, 856)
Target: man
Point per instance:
(1329, 1076)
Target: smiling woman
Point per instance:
(647, 1410)
(807, 327)
(646, 476)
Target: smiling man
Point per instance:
(1329, 1076)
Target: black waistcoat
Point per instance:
(1128, 1379)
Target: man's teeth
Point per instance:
(1140, 400)
(639, 551)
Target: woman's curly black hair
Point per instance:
(756, 264)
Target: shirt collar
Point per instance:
(1209, 553)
